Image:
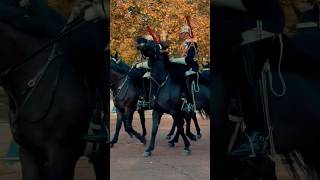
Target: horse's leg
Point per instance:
(143, 122)
(30, 166)
(128, 118)
(180, 122)
(156, 116)
(195, 120)
(118, 127)
(173, 128)
(62, 162)
(175, 138)
(101, 162)
(189, 134)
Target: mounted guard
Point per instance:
(188, 57)
(145, 90)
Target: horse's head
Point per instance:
(145, 46)
(157, 56)
(149, 48)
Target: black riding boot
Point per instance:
(141, 95)
(253, 140)
(190, 79)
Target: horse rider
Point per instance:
(189, 52)
(38, 19)
(143, 90)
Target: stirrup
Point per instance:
(97, 132)
(100, 136)
(250, 145)
(96, 138)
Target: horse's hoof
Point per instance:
(199, 136)
(187, 151)
(171, 144)
(147, 154)
(143, 140)
(168, 137)
(113, 142)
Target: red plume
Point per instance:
(154, 36)
(189, 24)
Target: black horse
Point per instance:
(167, 91)
(50, 108)
(295, 117)
(121, 75)
(204, 77)
(125, 99)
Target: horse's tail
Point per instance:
(299, 167)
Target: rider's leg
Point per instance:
(191, 78)
(247, 78)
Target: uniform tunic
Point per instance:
(190, 51)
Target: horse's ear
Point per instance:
(116, 55)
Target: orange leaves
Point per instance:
(129, 19)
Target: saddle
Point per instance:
(204, 77)
(144, 101)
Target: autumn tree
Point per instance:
(130, 18)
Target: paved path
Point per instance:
(127, 162)
(166, 163)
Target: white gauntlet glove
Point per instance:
(143, 65)
(181, 60)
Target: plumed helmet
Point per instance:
(186, 29)
(148, 37)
